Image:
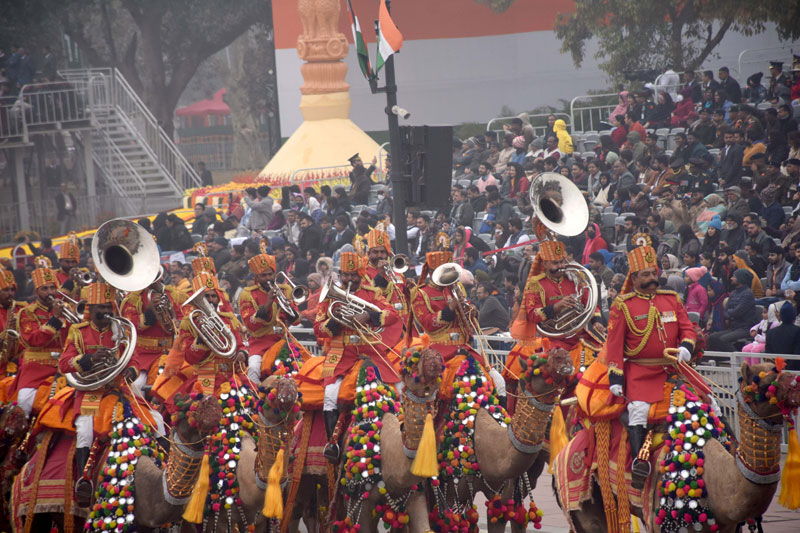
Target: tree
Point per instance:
(638, 35)
(157, 45)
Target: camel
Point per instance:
(736, 492)
(149, 484)
(13, 429)
(422, 369)
(504, 452)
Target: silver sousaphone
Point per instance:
(559, 208)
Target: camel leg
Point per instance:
(417, 508)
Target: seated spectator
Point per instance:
(716, 306)
(785, 338)
(684, 113)
(696, 294)
(474, 262)
(492, 314)
(759, 333)
(740, 311)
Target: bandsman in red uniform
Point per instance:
(393, 287)
(643, 322)
(265, 320)
(344, 346)
(68, 258)
(191, 360)
(548, 293)
(9, 328)
(154, 337)
(42, 335)
(438, 315)
(89, 343)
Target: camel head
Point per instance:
(198, 416)
(14, 424)
(768, 390)
(546, 371)
(280, 398)
(422, 371)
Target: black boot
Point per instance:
(639, 469)
(83, 488)
(164, 443)
(503, 401)
(331, 450)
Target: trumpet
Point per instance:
(73, 317)
(397, 264)
(343, 306)
(300, 293)
(82, 278)
(162, 306)
(102, 373)
(212, 330)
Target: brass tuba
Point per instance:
(101, 373)
(212, 330)
(559, 208)
(343, 306)
(126, 255)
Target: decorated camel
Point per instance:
(13, 429)
(45, 483)
(482, 449)
(250, 490)
(388, 453)
(701, 482)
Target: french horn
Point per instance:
(559, 208)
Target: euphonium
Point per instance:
(343, 306)
(212, 330)
(559, 208)
(447, 276)
(101, 373)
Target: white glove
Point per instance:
(254, 369)
(616, 390)
(684, 354)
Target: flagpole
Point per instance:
(398, 178)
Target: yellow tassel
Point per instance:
(636, 528)
(558, 436)
(194, 511)
(273, 500)
(425, 464)
(790, 479)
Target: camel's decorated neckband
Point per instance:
(114, 505)
(755, 391)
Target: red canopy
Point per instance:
(212, 106)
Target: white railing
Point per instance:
(121, 97)
(45, 108)
(586, 113)
(538, 130)
(745, 69)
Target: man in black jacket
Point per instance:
(360, 180)
(785, 338)
(344, 235)
(740, 311)
(730, 165)
(730, 85)
(66, 207)
(310, 235)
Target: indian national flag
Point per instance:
(390, 40)
(361, 46)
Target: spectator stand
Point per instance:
(752, 60)
(538, 122)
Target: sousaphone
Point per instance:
(559, 208)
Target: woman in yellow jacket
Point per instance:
(564, 138)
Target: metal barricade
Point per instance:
(538, 122)
(587, 112)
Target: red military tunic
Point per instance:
(265, 330)
(640, 327)
(448, 334)
(151, 340)
(190, 361)
(541, 294)
(84, 338)
(42, 336)
(8, 361)
(343, 346)
(394, 293)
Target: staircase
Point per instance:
(136, 158)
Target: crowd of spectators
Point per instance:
(718, 199)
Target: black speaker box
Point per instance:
(427, 159)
